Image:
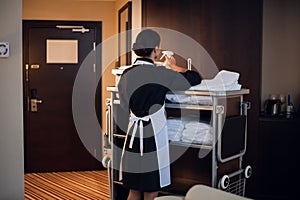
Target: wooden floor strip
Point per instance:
(67, 185)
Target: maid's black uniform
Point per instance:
(142, 89)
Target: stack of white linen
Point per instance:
(223, 81)
(189, 131)
(197, 132)
(190, 99)
(175, 128)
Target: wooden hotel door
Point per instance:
(51, 139)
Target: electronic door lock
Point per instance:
(34, 104)
(4, 49)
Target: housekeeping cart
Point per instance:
(218, 164)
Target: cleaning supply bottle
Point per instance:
(167, 53)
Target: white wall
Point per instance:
(11, 106)
(281, 49)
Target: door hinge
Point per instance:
(28, 103)
(94, 46)
(27, 72)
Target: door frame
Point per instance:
(26, 25)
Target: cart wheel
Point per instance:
(224, 182)
(248, 171)
(105, 161)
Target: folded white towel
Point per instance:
(190, 99)
(223, 81)
(197, 132)
(189, 130)
(196, 125)
(175, 128)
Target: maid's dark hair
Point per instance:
(145, 42)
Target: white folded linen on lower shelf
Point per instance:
(175, 128)
(197, 132)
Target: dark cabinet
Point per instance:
(278, 157)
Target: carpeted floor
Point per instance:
(67, 185)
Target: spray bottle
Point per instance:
(167, 53)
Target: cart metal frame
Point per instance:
(218, 110)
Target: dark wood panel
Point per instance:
(231, 32)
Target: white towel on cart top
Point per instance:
(223, 81)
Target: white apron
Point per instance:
(159, 124)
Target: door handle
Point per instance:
(34, 104)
